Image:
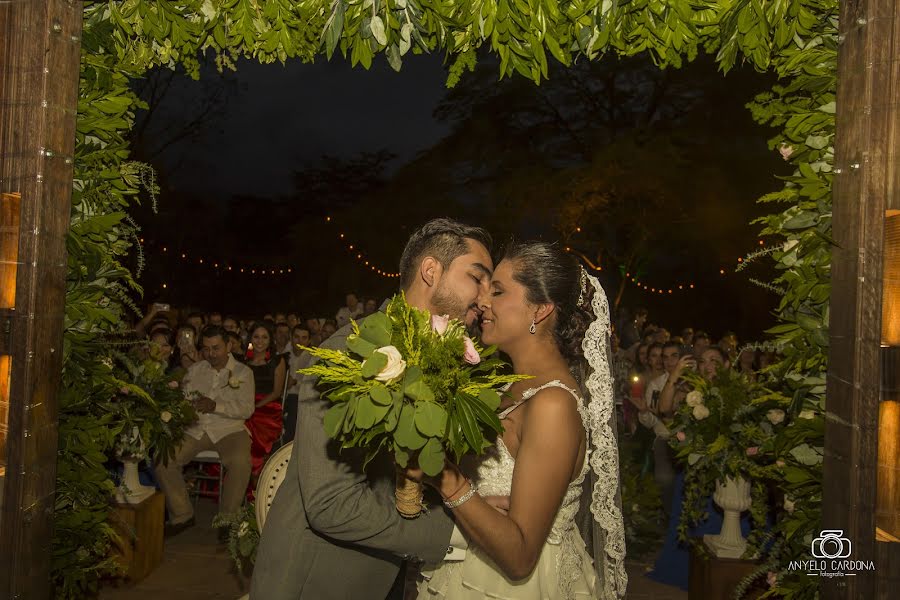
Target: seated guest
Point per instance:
(351, 310)
(282, 338)
(223, 398)
(269, 372)
(297, 359)
(237, 348)
(371, 306)
(328, 329)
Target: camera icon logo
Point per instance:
(831, 543)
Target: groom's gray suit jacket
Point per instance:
(332, 531)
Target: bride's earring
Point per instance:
(533, 329)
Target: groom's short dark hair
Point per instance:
(443, 239)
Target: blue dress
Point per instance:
(672, 565)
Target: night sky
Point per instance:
(280, 118)
(230, 194)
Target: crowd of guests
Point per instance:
(241, 377)
(649, 364)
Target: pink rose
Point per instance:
(785, 151)
(779, 462)
(439, 323)
(173, 384)
(753, 451)
(124, 390)
(772, 579)
(680, 436)
(471, 355)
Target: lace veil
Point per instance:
(600, 519)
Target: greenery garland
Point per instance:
(122, 39)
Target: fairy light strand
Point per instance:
(359, 256)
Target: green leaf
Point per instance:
(374, 365)
(406, 433)
(415, 387)
(334, 418)
(360, 346)
(376, 329)
(380, 395)
(490, 399)
(401, 456)
(377, 27)
(431, 457)
(431, 419)
(365, 412)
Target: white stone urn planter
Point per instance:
(130, 489)
(733, 496)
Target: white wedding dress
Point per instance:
(564, 570)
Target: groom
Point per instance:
(332, 531)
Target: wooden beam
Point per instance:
(865, 185)
(40, 45)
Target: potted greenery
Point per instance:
(723, 433)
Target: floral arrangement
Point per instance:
(413, 384)
(726, 428)
(243, 535)
(152, 408)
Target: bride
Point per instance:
(552, 321)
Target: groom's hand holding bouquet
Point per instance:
(413, 384)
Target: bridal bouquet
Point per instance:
(413, 384)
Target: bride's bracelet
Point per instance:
(462, 499)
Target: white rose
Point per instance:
(395, 366)
(807, 414)
(700, 412)
(775, 416)
(234, 382)
(789, 504)
(694, 398)
(165, 416)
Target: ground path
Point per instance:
(196, 567)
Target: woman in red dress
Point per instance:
(269, 377)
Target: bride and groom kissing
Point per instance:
(509, 524)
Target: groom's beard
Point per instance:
(446, 302)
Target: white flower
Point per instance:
(789, 504)
(694, 398)
(243, 529)
(165, 416)
(785, 151)
(395, 366)
(234, 382)
(700, 412)
(807, 414)
(775, 416)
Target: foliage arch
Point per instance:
(122, 39)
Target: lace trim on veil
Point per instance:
(604, 459)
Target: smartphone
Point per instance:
(160, 307)
(186, 338)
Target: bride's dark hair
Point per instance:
(552, 276)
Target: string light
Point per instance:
(360, 255)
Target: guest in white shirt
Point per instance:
(222, 390)
(663, 468)
(352, 310)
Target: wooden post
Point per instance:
(865, 185)
(40, 49)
